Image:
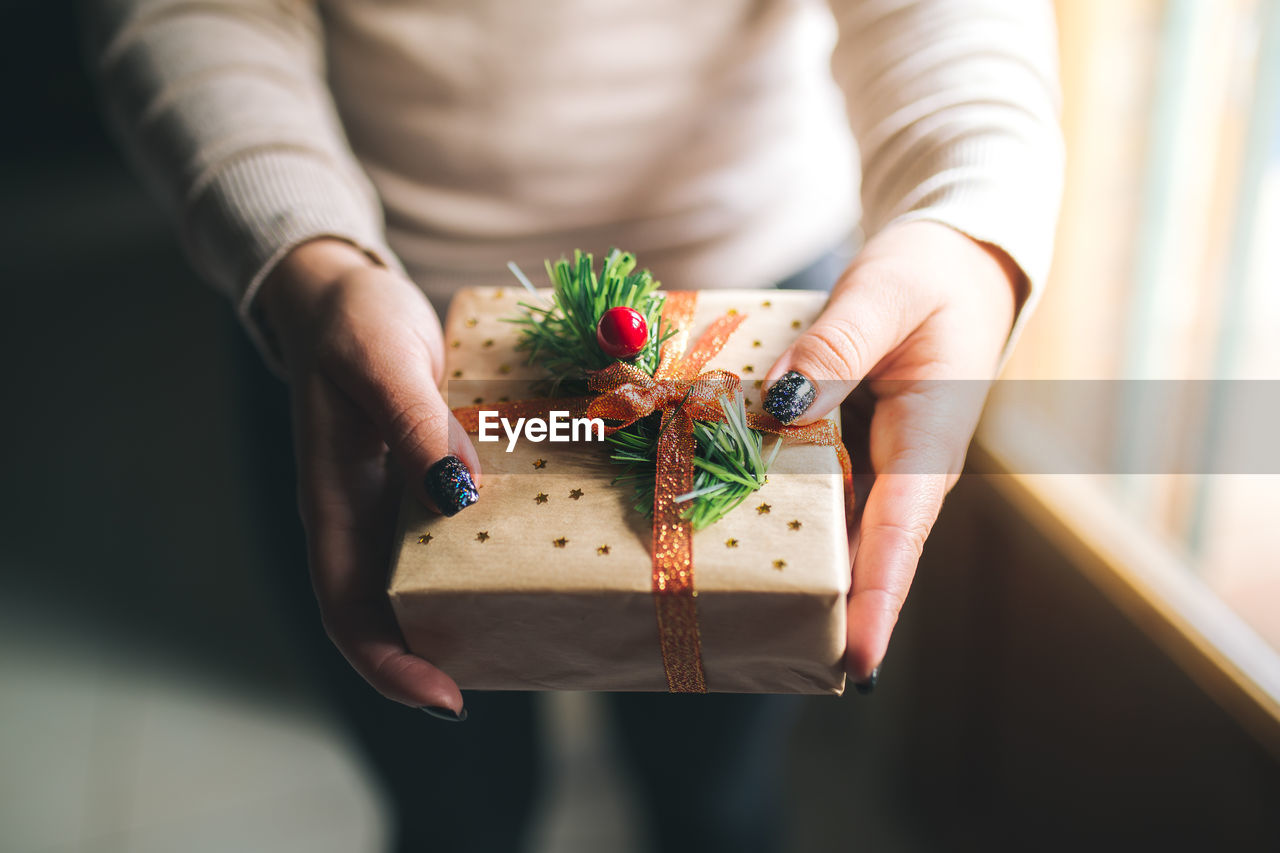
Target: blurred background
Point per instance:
(1085, 659)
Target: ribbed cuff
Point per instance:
(1000, 190)
(260, 207)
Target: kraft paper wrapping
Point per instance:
(519, 592)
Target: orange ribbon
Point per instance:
(683, 393)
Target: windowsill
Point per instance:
(1140, 573)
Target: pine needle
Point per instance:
(729, 464)
(561, 337)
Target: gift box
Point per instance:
(548, 581)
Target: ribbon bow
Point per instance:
(627, 394)
(683, 393)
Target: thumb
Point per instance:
(869, 314)
(398, 392)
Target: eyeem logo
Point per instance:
(558, 427)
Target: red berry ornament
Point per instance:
(622, 332)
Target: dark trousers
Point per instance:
(472, 786)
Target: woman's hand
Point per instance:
(921, 308)
(362, 347)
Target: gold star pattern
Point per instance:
(757, 344)
(766, 304)
(779, 564)
(763, 509)
(731, 543)
(746, 401)
(795, 324)
(560, 543)
(457, 374)
(477, 401)
(456, 344)
(748, 368)
(575, 494)
(482, 536)
(603, 551)
(472, 322)
(425, 539)
(504, 399)
(488, 342)
(759, 383)
(794, 524)
(732, 312)
(541, 498)
(539, 463)
(499, 293)
(504, 368)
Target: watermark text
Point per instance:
(558, 426)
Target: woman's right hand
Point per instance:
(362, 347)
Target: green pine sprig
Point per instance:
(729, 464)
(728, 467)
(561, 337)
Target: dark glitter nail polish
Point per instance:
(442, 713)
(790, 397)
(449, 484)
(867, 686)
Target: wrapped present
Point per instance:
(555, 580)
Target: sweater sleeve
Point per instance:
(954, 106)
(223, 107)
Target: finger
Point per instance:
(918, 441)
(460, 445)
(855, 432)
(364, 630)
(348, 508)
(869, 314)
(395, 384)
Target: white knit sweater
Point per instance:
(713, 139)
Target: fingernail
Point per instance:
(790, 397)
(442, 713)
(865, 687)
(449, 484)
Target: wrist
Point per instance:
(305, 274)
(1011, 274)
(964, 269)
(292, 298)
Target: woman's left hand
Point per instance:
(921, 308)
